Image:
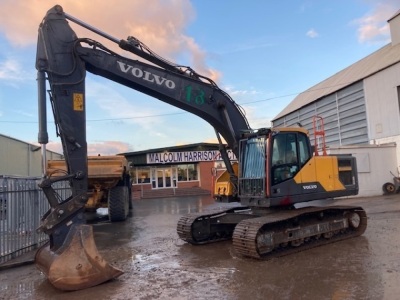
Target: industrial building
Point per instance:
(18, 158)
(360, 109)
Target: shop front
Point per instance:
(179, 167)
(159, 177)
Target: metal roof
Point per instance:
(188, 147)
(34, 146)
(373, 63)
(138, 158)
(395, 15)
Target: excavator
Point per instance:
(273, 181)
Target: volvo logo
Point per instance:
(310, 187)
(146, 75)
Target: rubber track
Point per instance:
(184, 226)
(245, 234)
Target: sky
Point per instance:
(263, 53)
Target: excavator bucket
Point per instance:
(77, 264)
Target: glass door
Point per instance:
(153, 178)
(167, 177)
(163, 178)
(160, 178)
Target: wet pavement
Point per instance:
(158, 265)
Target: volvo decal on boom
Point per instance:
(275, 168)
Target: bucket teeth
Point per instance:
(77, 264)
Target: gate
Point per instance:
(22, 204)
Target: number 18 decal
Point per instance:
(196, 96)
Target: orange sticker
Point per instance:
(78, 101)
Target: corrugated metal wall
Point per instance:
(382, 95)
(20, 158)
(343, 113)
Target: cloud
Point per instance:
(248, 45)
(254, 113)
(373, 27)
(131, 111)
(160, 24)
(53, 146)
(11, 71)
(102, 148)
(109, 148)
(24, 113)
(214, 140)
(312, 33)
(256, 117)
(241, 95)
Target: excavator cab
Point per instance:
(278, 168)
(266, 159)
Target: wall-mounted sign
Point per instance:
(184, 157)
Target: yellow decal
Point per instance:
(78, 101)
(321, 169)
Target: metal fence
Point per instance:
(22, 204)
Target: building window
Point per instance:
(142, 175)
(192, 172)
(182, 173)
(187, 172)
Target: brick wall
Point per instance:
(206, 178)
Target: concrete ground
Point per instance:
(158, 265)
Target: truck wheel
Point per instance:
(388, 188)
(118, 203)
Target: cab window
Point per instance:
(290, 151)
(304, 149)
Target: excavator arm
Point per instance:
(63, 59)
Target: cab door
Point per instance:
(290, 151)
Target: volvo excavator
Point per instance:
(276, 170)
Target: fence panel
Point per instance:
(22, 204)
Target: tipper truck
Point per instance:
(109, 184)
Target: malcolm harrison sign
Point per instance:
(185, 157)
